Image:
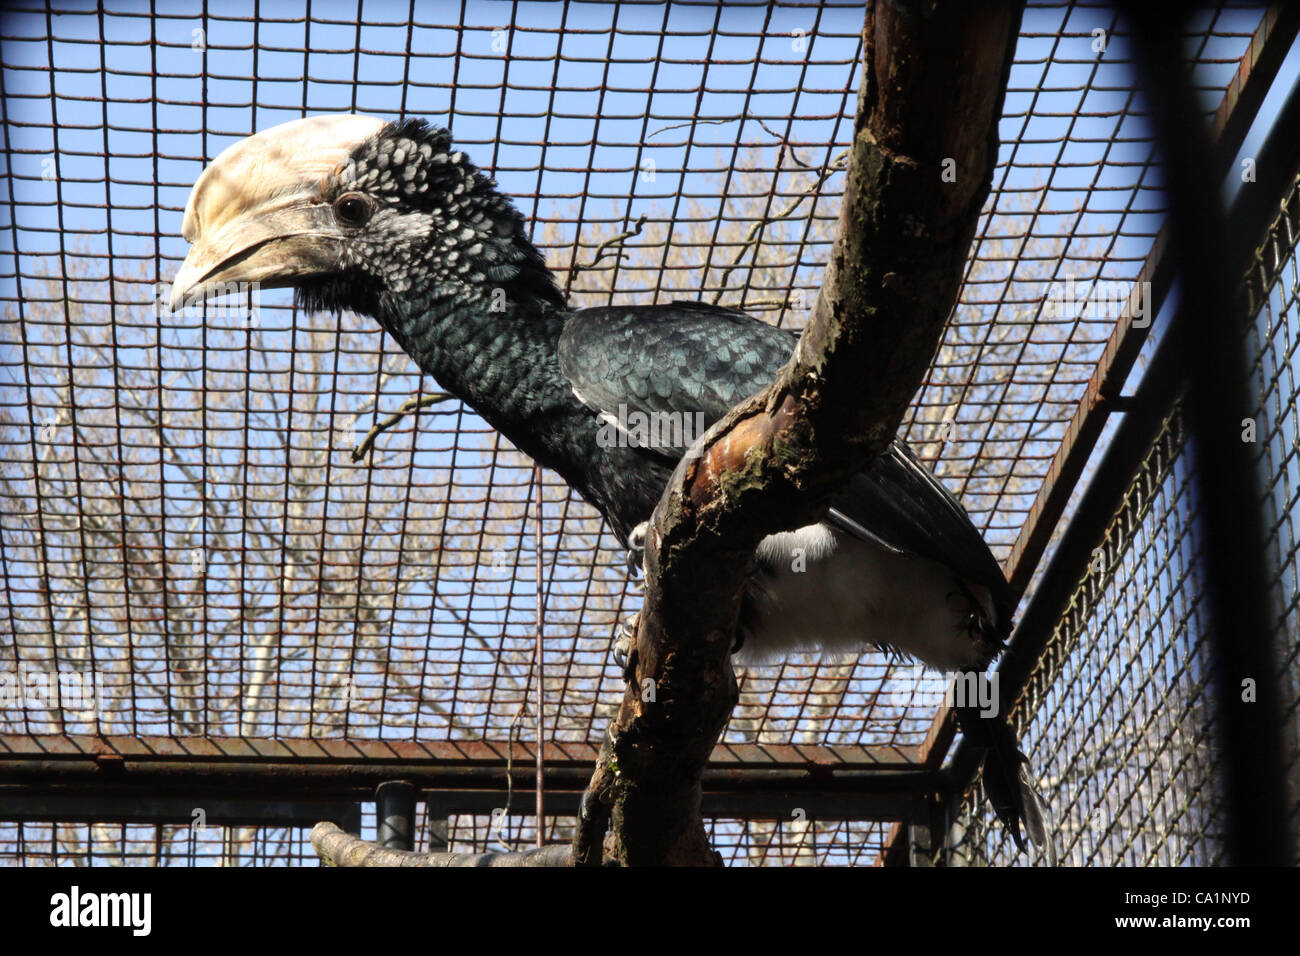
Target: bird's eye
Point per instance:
(352, 209)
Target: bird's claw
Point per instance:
(636, 548)
(624, 645)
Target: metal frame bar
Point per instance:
(1211, 266)
(52, 777)
(395, 815)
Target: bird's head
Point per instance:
(354, 212)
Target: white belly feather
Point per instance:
(802, 600)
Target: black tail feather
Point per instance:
(1008, 783)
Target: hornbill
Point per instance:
(391, 221)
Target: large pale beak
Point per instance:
(272, 249)
(257, 216)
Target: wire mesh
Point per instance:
(740, 842)
(188, 547)
(148, 844)
(1119, 711)
(1272, 298)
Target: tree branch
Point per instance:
(336, 848)
(920, 167)
(413, 404)
(602, 250)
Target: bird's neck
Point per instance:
(494, 347)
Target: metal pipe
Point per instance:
(395, 815)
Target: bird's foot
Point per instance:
(973, 622)
(624, 646)
(636, 550)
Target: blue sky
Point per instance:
(575, 131)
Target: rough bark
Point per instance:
(934, 76)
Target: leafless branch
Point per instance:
(754, 235)
(601, 251)
(413, 404)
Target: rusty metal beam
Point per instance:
(21, 804)
(244, 781)
(862, 797)
(209, 754)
